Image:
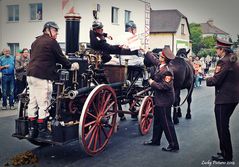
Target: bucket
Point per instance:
(21, 126)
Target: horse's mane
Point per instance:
(157, 50)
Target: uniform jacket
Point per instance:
(226, 80)
(163, 88)
(99, 43)
(45, 53)
(21, 66)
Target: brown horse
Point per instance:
(183, 79)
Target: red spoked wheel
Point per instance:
(98, 119)
(146, 112)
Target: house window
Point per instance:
(14, 47)
(182, 29)
(127, 16)
(13, 12)
(114, 15)
(36, 11)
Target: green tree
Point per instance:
(196, 37)
(204, 52)
(209, 42)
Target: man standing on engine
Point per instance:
(41, 71)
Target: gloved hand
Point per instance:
(75, 66)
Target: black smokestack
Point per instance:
(72, 33)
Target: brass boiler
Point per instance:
(94, 59)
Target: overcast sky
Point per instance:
(225, 13)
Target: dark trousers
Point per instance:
(223, 113)
(21, 85)
(163, 123)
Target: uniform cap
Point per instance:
(223, 43)
(168, 53)
(130, 24)
(50, 24)
(97, 25)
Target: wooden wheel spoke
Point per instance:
(108, 107)
(148, 106)
(109, 115)
(100, 142)
(143, 123)
(104, 132)
(96, 137)
(103, 97)
(149, 110)
(92, 137)
(89, 113)
(146, 123)
(106, 102)
(99, 102)
(89, 123)
(95, 108)
(90, 132)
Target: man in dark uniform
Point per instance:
(226, 82)
(98, 43)
(162, 83)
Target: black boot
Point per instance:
(44, 133)
(32, 129)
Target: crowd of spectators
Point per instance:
(202, 68)
(13, 76)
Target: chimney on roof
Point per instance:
(210, 22)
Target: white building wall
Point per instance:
(160, 40)
(182, 40)
(186, 32)
(24, 31)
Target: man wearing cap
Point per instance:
(98, 42)
(226, 82)
(162, 84)
(41, 72)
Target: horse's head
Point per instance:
(182, 53)
(147, 62)
(157, 50)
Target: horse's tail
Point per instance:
(189, 93)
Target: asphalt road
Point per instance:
(197, 138)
